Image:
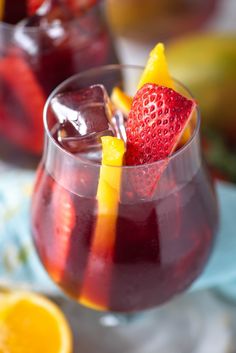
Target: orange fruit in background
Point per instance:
(31, 323)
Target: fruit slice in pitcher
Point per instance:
(95, 289)
(21, 114)
(33, 5)
(1, 9)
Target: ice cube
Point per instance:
(84, 116)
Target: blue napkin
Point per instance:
(20, 266)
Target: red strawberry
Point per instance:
(33, 5)
(64, 220)
(155, 124)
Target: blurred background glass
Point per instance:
(153, 20)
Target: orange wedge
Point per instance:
(95, 290)
(30, 323)
(1, 9)
(156, 70)
(121, 100)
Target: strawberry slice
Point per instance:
(27, 101)
(64, 220)
(155, 123)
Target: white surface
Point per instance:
(196, 323)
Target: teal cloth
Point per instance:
(19, 264)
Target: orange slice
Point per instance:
(1, 9)
(121, 100)
(30, 323)
(156, 70)
(95, 290)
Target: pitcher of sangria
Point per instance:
(38, 50)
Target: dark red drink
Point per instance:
(151, 245)
(160, 246)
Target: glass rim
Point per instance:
(84, 162)
(35, 29)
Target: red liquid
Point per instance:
(160, 246)
(28, 76)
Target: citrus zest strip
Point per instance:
(156, 71)
(121, 100)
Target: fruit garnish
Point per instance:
(21, 82)
(32, 323)
(155, 123)
(1, 9)
(121, 100)
(101, 251)
(64, 213)
(33, 5)
(156, 70)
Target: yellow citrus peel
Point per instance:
(31, 323)
(121, 100)
(97, 274)
(156, 71)
(2, 3)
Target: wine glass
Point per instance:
(163, 231)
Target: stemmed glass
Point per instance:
(164, 231)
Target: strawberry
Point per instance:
(64, 220)
(33, 5)
(155, 123)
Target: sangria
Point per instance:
(36, 54)
(118, 237)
